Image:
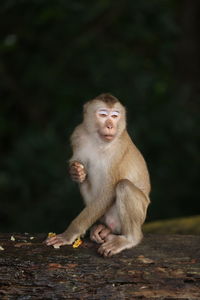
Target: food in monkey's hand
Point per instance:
(51, 234)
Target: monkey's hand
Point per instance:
(59, 240)
(66, 238)
(99, 232)
(77, 172)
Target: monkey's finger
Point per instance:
(79, 167)
(108, 254)
(78, 170)
(105, 249)
(82, 176)
(98, 228)
(77, 173)
(73, 170)
(100, 250)
(104, 233)
(96, 233)
(78, 178)
(80, 173)
(97, 238)
(77, 164)
(51, 240)
(74, 163)
(57, 242)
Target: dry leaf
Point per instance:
(145, 260)
(55, 266)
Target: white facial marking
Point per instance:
(115, 114)
(103, 112)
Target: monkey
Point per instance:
(113, 179)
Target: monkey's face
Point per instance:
(104, 120)
(107, 120)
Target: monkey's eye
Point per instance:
(103, 113)
(114, 114)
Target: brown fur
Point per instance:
(113, 180)
(108, 99)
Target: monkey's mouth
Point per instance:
(108, 137)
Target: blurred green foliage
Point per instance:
(189, 225)
(55, 55)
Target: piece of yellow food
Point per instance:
(77, 243)
(51, 234)
(1, 248)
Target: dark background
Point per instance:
(54, 56)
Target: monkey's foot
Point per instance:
(98, 233)
(58, 240)
(114, 244)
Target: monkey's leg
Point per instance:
(131, 205)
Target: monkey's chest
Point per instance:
(97, 177)
(97, 174)
(92, 188)
(97, 167)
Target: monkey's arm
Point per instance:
(88, 216)
(77, 163)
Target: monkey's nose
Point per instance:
(109, 125)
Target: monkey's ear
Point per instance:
(85, 107)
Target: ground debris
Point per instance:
(153, 270)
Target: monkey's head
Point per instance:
(105, 117)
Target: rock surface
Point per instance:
(161, 267)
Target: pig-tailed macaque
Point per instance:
(113, 179)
